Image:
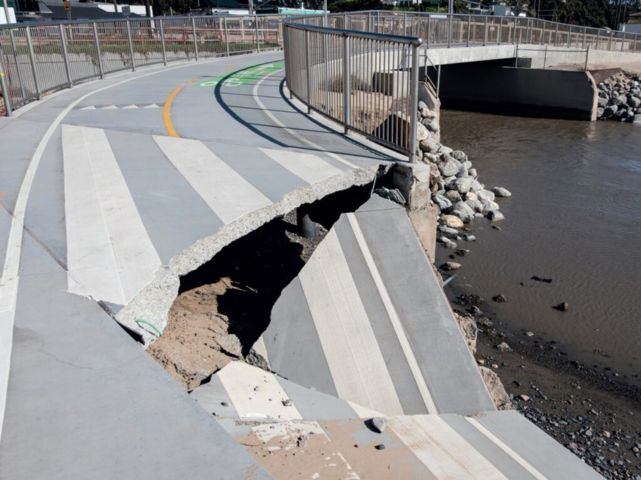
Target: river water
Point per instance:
(574, 217)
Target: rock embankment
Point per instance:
(620, 98)
(454, 183)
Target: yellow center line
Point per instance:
(166, 112)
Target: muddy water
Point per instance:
(575, 217)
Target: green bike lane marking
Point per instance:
(248, 76)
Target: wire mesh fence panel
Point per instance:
(82, 51)
(146, 43)
(210, 36)
(114, 46)
(178, 39)
(48, 57)
(17, 67)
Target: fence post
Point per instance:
(414, 103)
(469, 29)
(404, 23)
(543, 33)
(347, 94)
(556, 35)
(623, 42)
(500, 32)
(256, 32)
(528, 32)
(193, 32)
(98, 52)
(5, 93)
(226, 35)
(162, 42)
(545, 56)
(485, 34)
(449, 31)
(598, 33)
(429, 21)
(585, 36)
(65, 54)
(307, 76)
(610, 41)
(32, 59)
(131, 47)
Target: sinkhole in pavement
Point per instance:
(224, 306)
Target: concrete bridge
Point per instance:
(114, 190)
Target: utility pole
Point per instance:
(450, 7)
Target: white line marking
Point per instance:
(441, 449)
(256, 393)
(355, 360)
(109, 253)
(110, 107)
(393, 315)
(130, 107)
(226, 192)
(273, 118)
(499, 443)
(10, 279)
(309, 167)
(90, 107)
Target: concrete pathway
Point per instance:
(106, 187)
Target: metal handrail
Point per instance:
(355, 33)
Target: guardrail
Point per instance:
(41, 58)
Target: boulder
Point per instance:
(453, 196)
(443, 203)
(459, 155)
(474, 204)
(495, 216)
(463, 211)
(463, 184)
(450, 266)
(421, 133)
(447, 230)
(451, 221)
(485, 195)
(472, 172)
(448, 166)
(447, 242)
(488, 206)
(501, 192)
(476, 186)
(428, 145)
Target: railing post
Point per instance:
(101, 70)
(32, 59)
(162, 41)
(226, 35)
(308, 82)
(545, 56)
(585, 37)
(65, 54)
(610, 41)
(429, 21)
(528, 33)
(500, 32)
(414, 104)
(347, 94)
(449, 31)
(256, 32)
(131, 47)
(556, 35)
(543, 33)
(15, 59)
(5, 93)
(598, 34)
(193, 32)
(485, 33)
(404, 23)
(469, 29)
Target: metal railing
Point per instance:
(41, 58)
(365, 81)
(439, 30)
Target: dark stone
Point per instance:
(562, 307)
(500, 298)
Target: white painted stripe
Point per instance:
(393, 315)
(355, 360)
(110, 107)
(10, 280)
(364, 412)
(226, 192)
(441, 449)
(109, 253)
(309, 167)
(153, 105)
(90, 107)
(499, 443)
(294, 134)
(256, 393)
(261, 349)
(130, 107)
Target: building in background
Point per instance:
(633, 25)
